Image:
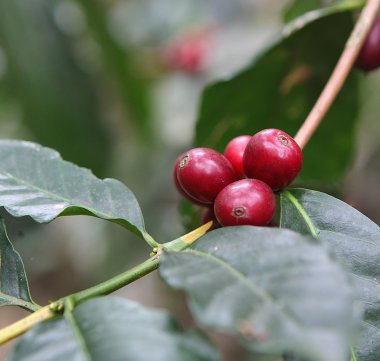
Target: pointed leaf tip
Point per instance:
(14, 288)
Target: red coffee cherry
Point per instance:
(209, 215)
(369, 56)
(234, 153)
(179, 187)
(273, 157)
(203, 173)
(245, 202)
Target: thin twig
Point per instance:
(23, 325)
(340, 73)
(104, 288)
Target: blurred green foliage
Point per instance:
(57, 98)
(120, 64)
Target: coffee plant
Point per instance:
(298, 283)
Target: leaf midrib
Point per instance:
(69, 316)
(332, 205)
(15, 301)
(304, 215)
(314, 229)
(53, 195)
(303, 212)
(255, 290)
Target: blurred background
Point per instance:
(114, 86)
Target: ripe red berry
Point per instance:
(234, 153)
(273, 157)
(209, 215)
(245, 202)
(203, 173)
(179, 187)
(369, 56)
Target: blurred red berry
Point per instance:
(369, 56)
(189, 52)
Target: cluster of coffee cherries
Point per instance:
(237, 188)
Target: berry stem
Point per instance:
(340, 73)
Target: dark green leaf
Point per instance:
(279, 89)
(57, 98)
(190, 214)
(278, 289)
(354, 239)
(112, 329)
(14, 289)
(36, 182)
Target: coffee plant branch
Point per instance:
(340, 73)
(104, 288)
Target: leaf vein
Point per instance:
(301, 210)
(240, 276)
(78, 336)
(53, 195)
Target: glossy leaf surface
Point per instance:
(133, 86)
(112, 329)
(279, 88)
(355, 241)
(277, 289)
(36, 182)
(14, 289)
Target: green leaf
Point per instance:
(355, 241)
(279, 88)
(191, 214)
(277, 289)
(36, 182)
(299, 7)
(112, 329)
(14, 289)
(57, 98)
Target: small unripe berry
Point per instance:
(203, 173)
(245, 202)
(369, 56)
(274, 157)
(234, 153)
